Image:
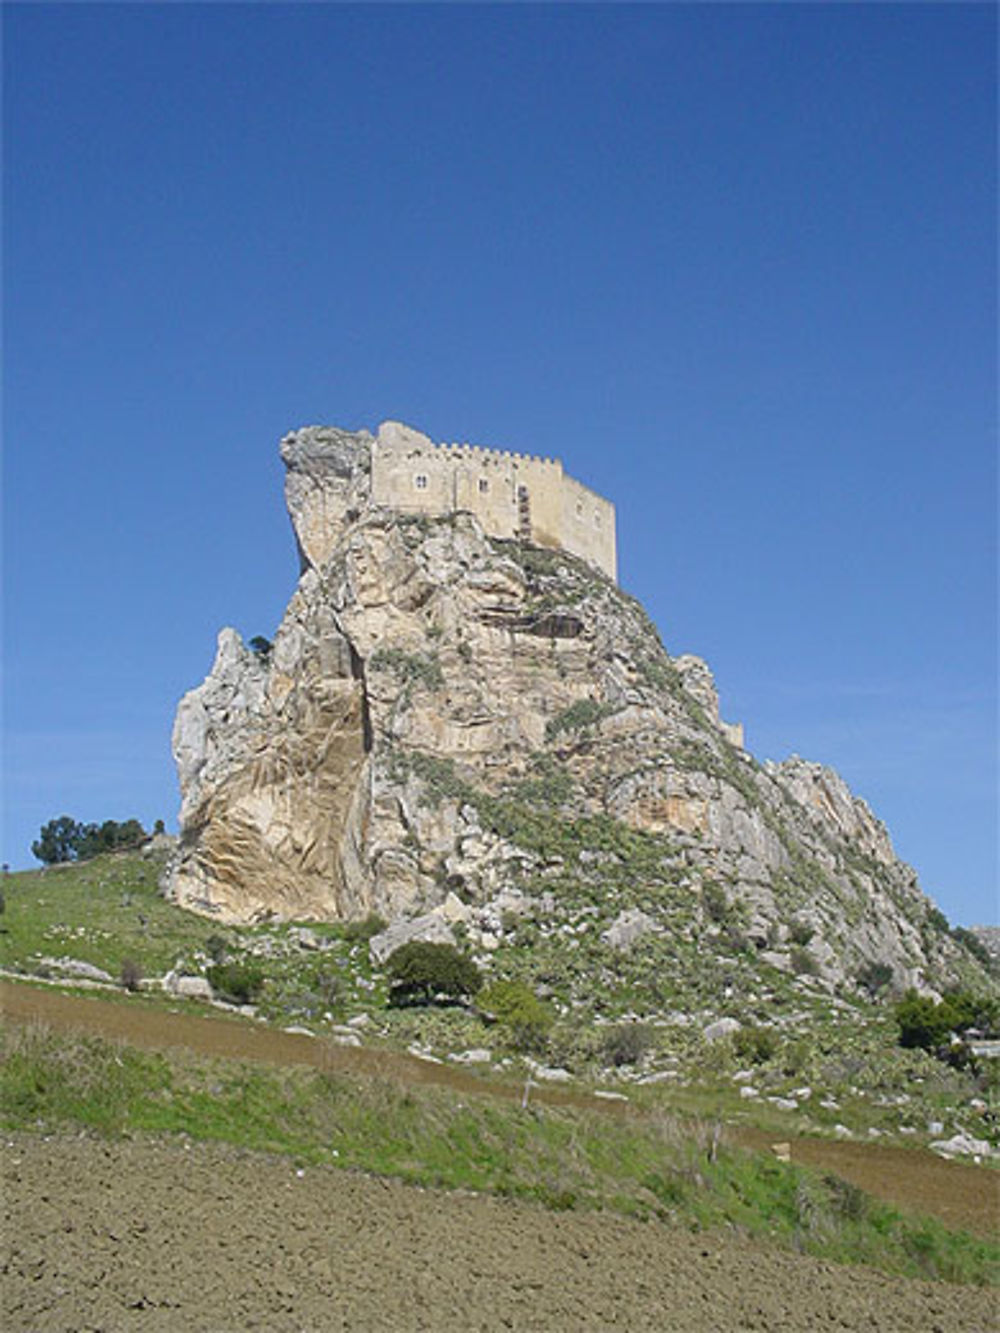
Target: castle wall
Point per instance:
(512, 495)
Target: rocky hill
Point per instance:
(479, 731)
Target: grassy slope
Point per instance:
(652, 1167)
(109, 910)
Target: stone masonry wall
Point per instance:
(511, 494)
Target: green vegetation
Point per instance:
(237, 982)
(928, 1024)
(102, 912)
(525, 1020)
(651, 1166)
(420, 972)
(577, 717)
(66, 839)
(411, 668)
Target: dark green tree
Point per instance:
(421, 971)
(58, 841)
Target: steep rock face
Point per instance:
(437, 702)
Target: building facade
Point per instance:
(513, 495)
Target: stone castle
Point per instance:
(512, 495)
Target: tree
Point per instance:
(420, 971)
(520, 1011)
(66, 839)
(58, 841)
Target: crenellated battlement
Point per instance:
(512, 494)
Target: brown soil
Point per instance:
(165, 1235)
(961, 1194)
(151, 1235)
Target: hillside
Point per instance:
(492, 732)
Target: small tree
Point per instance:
(58, 841)
(518, 1009)
(420, 971)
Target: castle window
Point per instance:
(579, 509)
(420, 481)
(597, 518)
(484, 485)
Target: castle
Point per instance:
(512, 495)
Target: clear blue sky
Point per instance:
(734, 264)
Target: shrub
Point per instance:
(755, 1045)
(714, 901)
(131, 974)
(521, 1013)
(240, 983)
(803, 963)
(625, 1044)
(583, 713)
(975, 946)
(420, 971)
(874, 977)
(801, 932)
(360, 932)
(215, 947)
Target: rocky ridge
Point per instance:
(453, 725)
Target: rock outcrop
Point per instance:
(436, 702)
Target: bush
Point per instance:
(874, 977)
(755, 1045)
(801, 932)
(714, 901)
(625, 1044)
(131, 974)
(360, 932)
(215, 947)
(239, 983)
(803, 963)
(584, 713)
(420, 971)
(516, 1007)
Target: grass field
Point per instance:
(651, 1166)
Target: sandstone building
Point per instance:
(512, 495)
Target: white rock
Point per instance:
(627, 927)
(746, 1092)
(722, 1027)
(478, 1055)
(192, 988)
(964, 1145)
(430, 927)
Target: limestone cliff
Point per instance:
(447, 712)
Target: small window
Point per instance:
(579, 509)
(597, 518)
(484, 485)
(420, 481)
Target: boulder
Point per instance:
(431, 928)
(627, 927)
(722, 1027)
